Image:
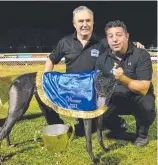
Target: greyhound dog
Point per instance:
(20, 94)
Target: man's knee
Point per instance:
(120, 92)
(146, 103)
(146, 108)
(121, 96)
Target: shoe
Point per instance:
(140, 142)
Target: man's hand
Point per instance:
(117, 72)
(139, 45)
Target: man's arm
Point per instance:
(49, 66)
(54, 57)
(137, 86)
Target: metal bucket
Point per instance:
(56, 138)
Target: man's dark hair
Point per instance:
(116, 23)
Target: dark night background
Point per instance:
(44, 23)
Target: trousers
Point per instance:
(129, 103)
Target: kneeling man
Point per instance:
(132, 69)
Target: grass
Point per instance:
(28, 152)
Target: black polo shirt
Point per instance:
(77, 58)
(136, 64)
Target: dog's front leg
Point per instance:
(88, 130)
(99, 132)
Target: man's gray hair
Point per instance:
(82, 8)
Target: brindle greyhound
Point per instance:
(20, 94)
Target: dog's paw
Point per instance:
(96, 161)
(11, 146)
(1, 159)
(106, 149)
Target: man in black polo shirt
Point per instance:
(80, 51)
(132, 69)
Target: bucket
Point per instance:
(56, 138)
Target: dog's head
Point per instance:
(104, 86)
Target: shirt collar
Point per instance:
(130, 48)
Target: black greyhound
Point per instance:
(20, 94)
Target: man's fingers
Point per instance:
(115, 64)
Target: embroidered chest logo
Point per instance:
(129, 63)
(94, 52)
